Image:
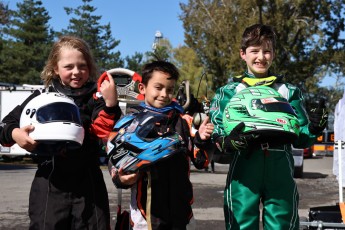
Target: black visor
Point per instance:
(58, 111)
(150, 123)
(273, 106)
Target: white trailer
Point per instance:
(11, 96)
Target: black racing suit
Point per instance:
(68, 191)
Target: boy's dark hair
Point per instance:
(163, 66)
(256, 35)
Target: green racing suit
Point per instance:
(266, 174)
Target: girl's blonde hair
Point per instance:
(73, 42)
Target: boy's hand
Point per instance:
(205, 129)
(109, 91)
(236, 140)
(22, 138)
(318, 117)
(126, 179)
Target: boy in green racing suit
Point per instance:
(261, 172)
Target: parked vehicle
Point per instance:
(308, 152)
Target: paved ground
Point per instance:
(318, 187)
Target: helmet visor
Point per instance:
(273, 105)
(58, 111)
(149, 122)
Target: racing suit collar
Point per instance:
(172, 106)
(250, 80)
(87, 89)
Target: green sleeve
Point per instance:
(218, 103)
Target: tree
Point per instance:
(135, 62)
(26, 43)
(159, 53)
(4, 16)
(4, 20)
(192, 70)
(161, 49)
(87, 26)
(211, 30)
(308, 34)
(109, 59)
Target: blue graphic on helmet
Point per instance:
(136, 142)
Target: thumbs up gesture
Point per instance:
(205, 129)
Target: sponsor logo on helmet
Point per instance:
(122, 131)
(121, 151)
(281, 121)
(268, 100)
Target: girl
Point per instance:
(68, 191)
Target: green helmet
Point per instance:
(265, 112)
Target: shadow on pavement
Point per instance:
(313, 175)
(11, 166)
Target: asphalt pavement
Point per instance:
(16, 180)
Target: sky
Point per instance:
(133, 22)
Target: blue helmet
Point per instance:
(137, 142)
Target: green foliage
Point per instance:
(107, 58)
(26, 40)
(160, 53)
(161, 50)
(4, 15)
(192, 70)
(86, 25)
(212, 30)
(135, 62)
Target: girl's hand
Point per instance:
(22, 138)
(205, 129)
(126, 179)
(109, 91)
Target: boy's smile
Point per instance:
(159, 90)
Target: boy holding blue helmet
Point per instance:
(162, 195)
(261, 170)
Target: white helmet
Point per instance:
(56, 120)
